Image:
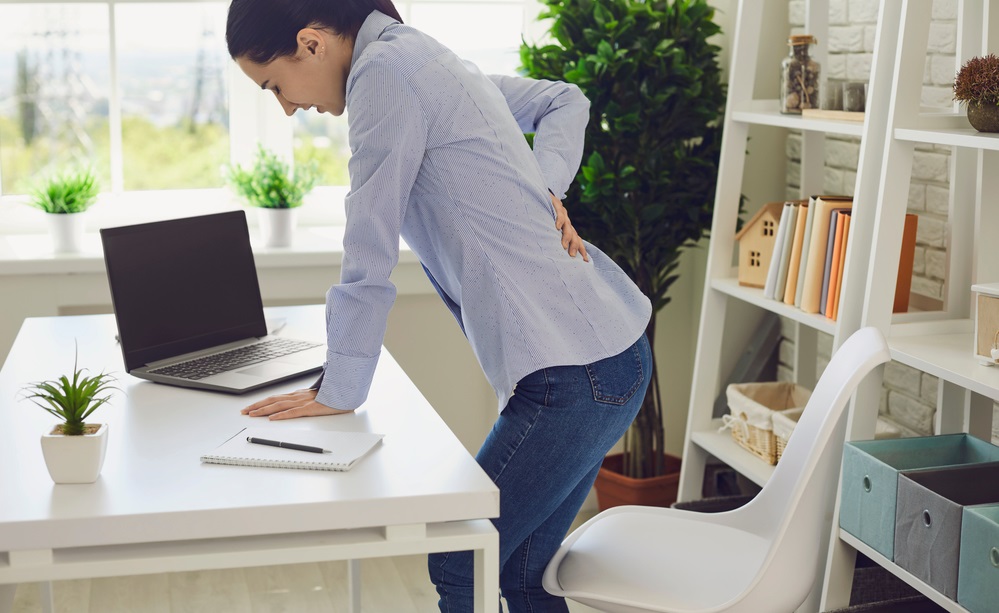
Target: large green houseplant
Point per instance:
(646, 187)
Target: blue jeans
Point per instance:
(544, 453)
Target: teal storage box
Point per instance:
(870, 479)
(978, 570)
(929, 516)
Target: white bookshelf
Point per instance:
(703, 441)
(941, 346)
(939, 343)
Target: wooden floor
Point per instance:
(388, 585)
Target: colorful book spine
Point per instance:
(794, 266)
(771, 286)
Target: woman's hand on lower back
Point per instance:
(571, 241)
(300, 403)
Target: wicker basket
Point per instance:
(752, 407)
(784, 423)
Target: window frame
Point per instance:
(254, 117)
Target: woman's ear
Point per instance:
(311, 42)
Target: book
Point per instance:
(806, 241)
(346, 447)
(791, 287)
(785, 254)
(769, 290)
(832, 243)
(838, 259)
(903, 283)
(838, 286)
(815, 269)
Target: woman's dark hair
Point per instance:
(264, 30)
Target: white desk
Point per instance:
(156, 508)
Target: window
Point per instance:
(768, 227)
(145, 93)
(754, 259)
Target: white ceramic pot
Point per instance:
(277, 226)
(75, 459)
(67, 231)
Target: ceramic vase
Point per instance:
(67, 231)
(984, 117)
(75, 459)
(277, 226)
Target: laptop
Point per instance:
(188, 307)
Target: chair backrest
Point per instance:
(791, 509)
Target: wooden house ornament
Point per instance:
(756, 244)
(987, 323)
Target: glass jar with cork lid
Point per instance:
(799, 77)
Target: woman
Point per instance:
(439, 157)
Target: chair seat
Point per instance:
(654, 559)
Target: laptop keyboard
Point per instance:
(214, 364)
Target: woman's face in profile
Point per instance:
(315, 77)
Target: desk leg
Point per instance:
(47, 596)
(487, 576)
(7, 592)
(354, 585)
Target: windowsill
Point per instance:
(26, 247)
(317, 246)
(322, 207)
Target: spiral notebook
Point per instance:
(346, 448)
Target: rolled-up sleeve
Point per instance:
(388, 136)
(557, 114)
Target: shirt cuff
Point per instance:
(350, 379)
(319, 381)
(554, 170)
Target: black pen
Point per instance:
(296, 447)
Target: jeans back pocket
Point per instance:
(616, 379)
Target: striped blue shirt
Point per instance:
(438, 156)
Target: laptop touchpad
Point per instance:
(272, 369)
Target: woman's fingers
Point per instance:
(300, 403)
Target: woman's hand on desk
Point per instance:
(300, 403)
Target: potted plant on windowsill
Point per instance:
(270, 186)
(977, 86)
(645, 191)
(73, 450)
(64, 198)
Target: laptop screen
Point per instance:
(182, 285)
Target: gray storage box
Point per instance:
(928, 519)
(870, 479)
(978, 570)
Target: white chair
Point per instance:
(762, 557)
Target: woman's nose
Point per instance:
(289, 108)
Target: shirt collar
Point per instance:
(371, 29)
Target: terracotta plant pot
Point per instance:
(984, 117)
(615, 489)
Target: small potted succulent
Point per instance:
(270, 186)
(74, 450)
(64, 197)
(977, 86)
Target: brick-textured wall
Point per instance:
(909, 398)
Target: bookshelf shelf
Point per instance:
(949, 357)
(958, 137)
(720, 445)
(766, 113)
(754, 296)
(926, 590)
